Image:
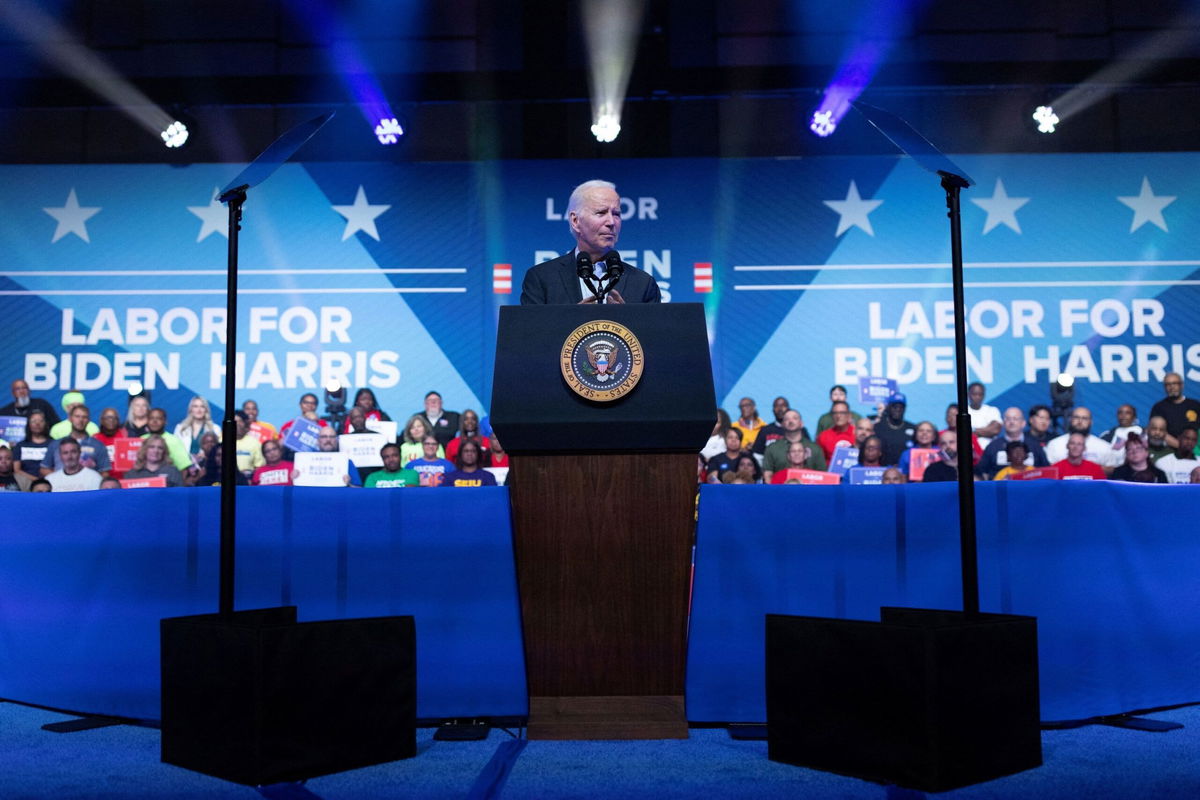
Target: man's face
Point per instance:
(358, 420)
(892, 476)
(1156, 431)
(391, 459)
(1081, 420)
(251, 409)
(862, 429)
(1187, 443)
(68, 453)
(791, 420)
(747, 408)
(1125, 415)
(975, 395)
(327, 440)
(837, 395)
(20, 390)
(433, 405)
(79, 419)
(1075, 446)
(157, 421)
(1173, 385)
(429, 446)
(895, 411)
(841, 415)
(1014, 422)
(948, 442)
(6, 460)
(596, 224)
(1040, 421)
(272, 452)
(779, 406)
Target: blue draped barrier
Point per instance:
(85, 578)
(1109, 569)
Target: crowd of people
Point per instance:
(135, 449)
(884, 446)
(436, 447)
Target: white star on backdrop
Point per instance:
(72, 218)
(215, 217)
(360, 216)
(1001, 209)
(1147, 207)
(853, 211)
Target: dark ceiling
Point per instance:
(479, 80)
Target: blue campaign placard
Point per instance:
(866, 476)
(302, 435)
(843, 459)
(875, 390)
(12, 429)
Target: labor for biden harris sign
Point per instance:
(811, 272)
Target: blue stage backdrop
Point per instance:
(390, 275)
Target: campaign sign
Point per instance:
(302, 435)
(124, 453)
(919, 458)
(843, 459)
(261, 432)
(813, 476)
(875, 390)
(385, 427)
(1036, 474)
(499, 473)
(12, 429)
(321, 469)
(157, 482)
(363, 448)
(866, 476)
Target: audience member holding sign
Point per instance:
(276, 472)
(326, 467)
(31, 451)
(151, 462)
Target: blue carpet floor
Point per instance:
(1094, 762)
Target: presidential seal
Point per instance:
(601, 361)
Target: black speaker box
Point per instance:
(925, 699)
(258, 698)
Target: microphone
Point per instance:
(583, 265)
(614, 269)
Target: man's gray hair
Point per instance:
(576, 198)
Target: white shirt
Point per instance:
(1179, 470)
(86, 480)
(982, 417)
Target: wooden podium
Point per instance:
(603, 494)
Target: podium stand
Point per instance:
(603, 495)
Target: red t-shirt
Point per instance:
(829, 438)
(1086, 469)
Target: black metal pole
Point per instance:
(953, 184)
(235, 198)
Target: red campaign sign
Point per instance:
(125, 452)
(919, 459)
(157, 482)
(813, 476)
(1036, 474)
(261, 432)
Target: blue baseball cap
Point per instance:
(897, 397)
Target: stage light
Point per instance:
(606, 127)
(389, 130)
(822, 123)
(135, 388)
(175, 135)
(1065, 379)
(1045, 118)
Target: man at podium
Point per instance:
(594, 214)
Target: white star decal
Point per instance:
(72, 218)
(215, 217)
(360, 216)
(853, 211)
(1001, 209)
(1147, 207)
